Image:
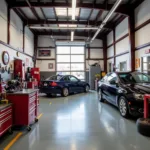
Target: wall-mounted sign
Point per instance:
(147, 51)
(5, 58)
(50, 66)
(44, 53)
(137, 63)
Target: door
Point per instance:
(112, 88)
(74, 83)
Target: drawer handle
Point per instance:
(5, 109)
(2, 115)
(3, 121)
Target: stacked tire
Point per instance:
(143, 126)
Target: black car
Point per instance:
(63, 85)
(125, 90)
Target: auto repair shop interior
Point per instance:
(74, 74)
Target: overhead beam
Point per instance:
(81, 34)
(91, 23)
(123, 9)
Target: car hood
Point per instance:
(143, 88)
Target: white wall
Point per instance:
(110, 38)
(16, 30)
(3, 21)
(16, 38)
(142, 36)
(110, 51)
(122, 29)
(121, 46)
(110, 61)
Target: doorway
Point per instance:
(146, 65)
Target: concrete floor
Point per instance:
(80, 122)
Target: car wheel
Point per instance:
(123, 107)
(143, 126)
(65, 92)
(100, 98)
(87, 88)
(49, 95)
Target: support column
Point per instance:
(23, 33)
(114, 44)
(35, 49)
(105, 54)
(8, 24)
(131, 24)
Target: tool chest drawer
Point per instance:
(5, 113)
(5, 119)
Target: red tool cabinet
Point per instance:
(32, 85)
(5, 118)
(26, 107)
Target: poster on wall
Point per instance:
(50, 66)
(27, 62)
(137, 63)
(44, 53)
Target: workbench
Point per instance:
(5, 118)
(25, 107)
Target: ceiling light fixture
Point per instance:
(73, 9)
(72, 35)
(107, 18)
(64, 28)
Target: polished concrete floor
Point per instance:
(79, 122)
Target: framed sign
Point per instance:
(50, 66)
(44, 53)
(5, 57)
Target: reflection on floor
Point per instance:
(80, 122)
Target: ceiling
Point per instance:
(57, 13)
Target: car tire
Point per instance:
(123, 107)
(86, 89)
(143, 126)
(65, 92)
(100, 98)
(49, 95)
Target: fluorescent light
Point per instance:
(73, 9)
(64, 28)
(72, 35)
(112, 11)
(107, 18)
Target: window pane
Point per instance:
(144, 66)
(63, 73)
(77, 58)
(63, 58)
(144, 59)
(63, 50)
(63, 67)
(79, 75)
(77, 50)
(77, 67)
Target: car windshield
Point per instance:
(135, 77)
(58, 77)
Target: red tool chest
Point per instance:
(26, 107)
(32, 85)
(5, 118)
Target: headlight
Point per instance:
(138, 96)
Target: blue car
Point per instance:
(63, 85)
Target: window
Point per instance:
(66, 78)
(134, 78)
(73, 79)
(71, 61)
